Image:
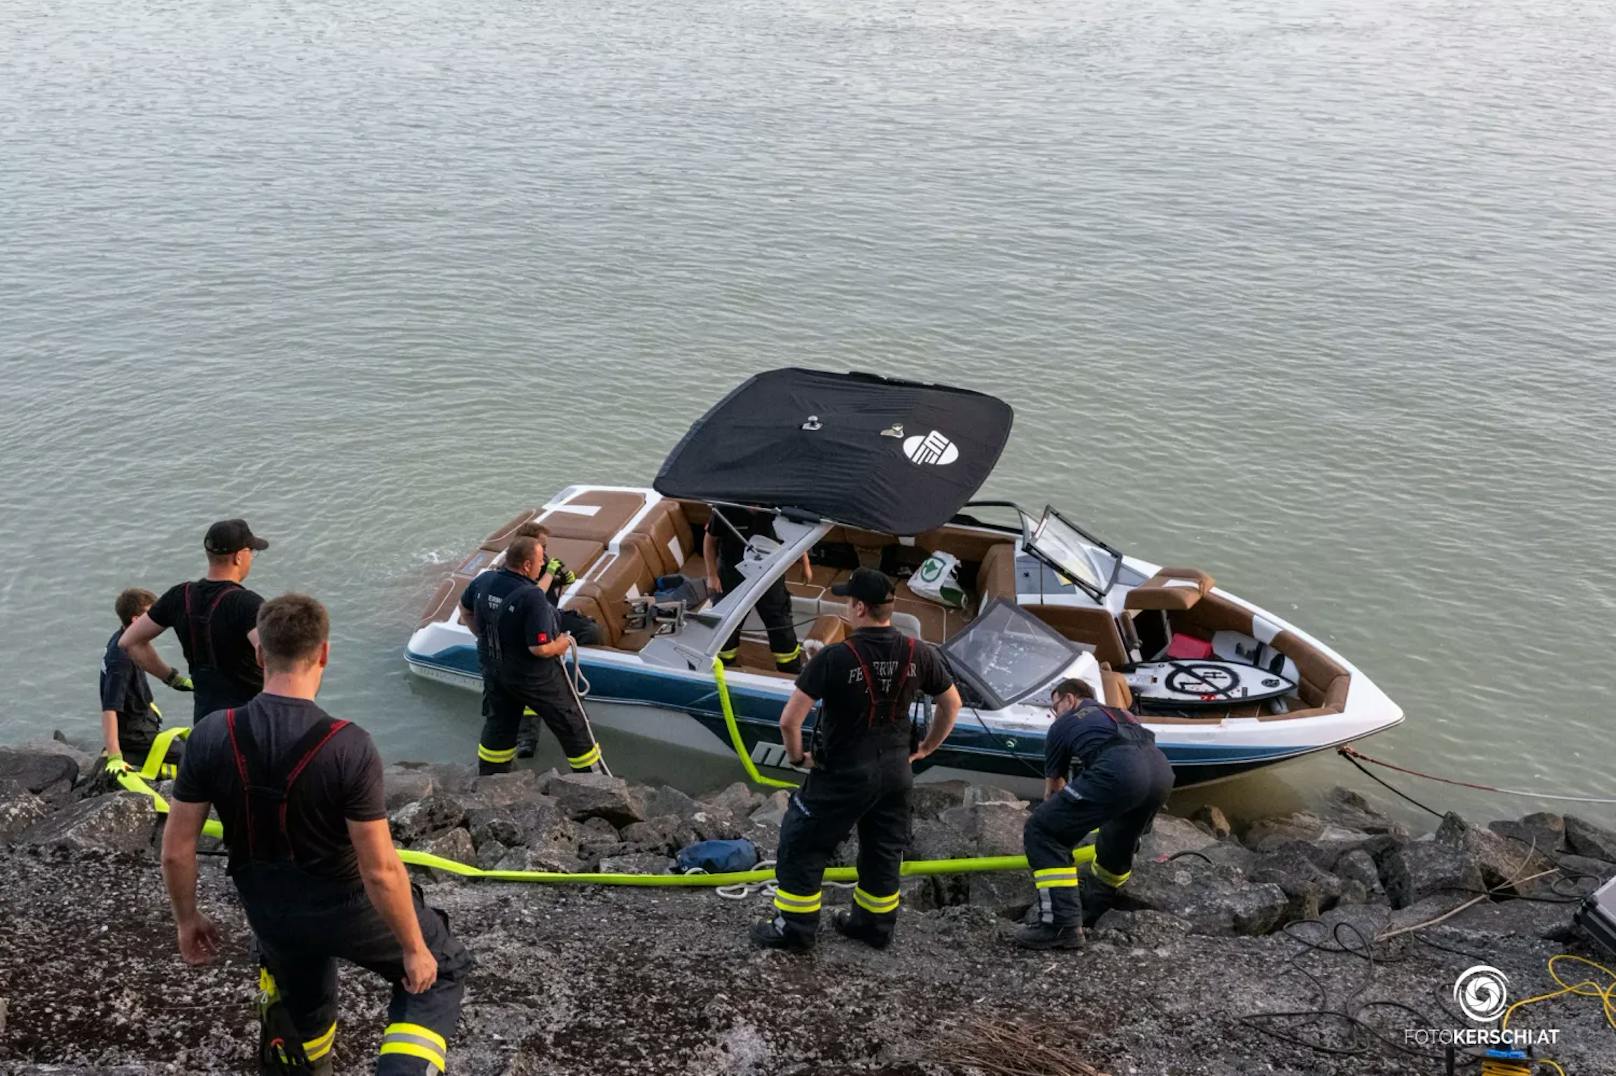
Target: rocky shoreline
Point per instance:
(1234, 948)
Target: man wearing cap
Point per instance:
(860, 768)
(215, 618)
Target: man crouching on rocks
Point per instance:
(1123, 781)
(300, 796)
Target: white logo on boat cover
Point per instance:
(894, 430)
(933, 448)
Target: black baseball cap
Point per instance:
(230, 536)
(868, 586)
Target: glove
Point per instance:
(562, 573)
(179, 681)
(116, 765)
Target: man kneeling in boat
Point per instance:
(861, 768)
(526, 649)
(1123, 781)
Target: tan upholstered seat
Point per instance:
(594, 516)
(605, 592)
(669, 540)
(1169, 588)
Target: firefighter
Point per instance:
(305, 819)
(527, 648)
(478, 601)
(722, 549)
(1123, 781)
(859, 771)
(214, 618)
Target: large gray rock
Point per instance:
(551, 856)
(406, 784)
(1348, 809)
(595, 795)
(1541, 830)
(738, 799)
(1587, 839)
(455, 845)
(38, 770)
(716, 824)
(1212, 898)
(427, 818)
(1415, 870)
(1170, 835)
(120, 822)
(1311, 889)
(666, 800)
(1357, 867)
(1140, 928)
(19, 811)
(992, 829)
(664, 834)
(1266, 834)
(504, 789)
(773, 811)
(455, 778)
(527, 822)
(1505, 865)
(1007, 894)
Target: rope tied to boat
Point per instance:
(1355, 756)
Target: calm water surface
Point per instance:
(1316, 296)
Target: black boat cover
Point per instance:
(899, 457)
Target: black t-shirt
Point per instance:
(212, 618)
(750, 522)
(125, 689)
(853, 714)
(1080, 733)
(525, 618)
(342, 783)
(483, 596)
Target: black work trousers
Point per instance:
(872, 793)
(1119, 793)
(304, 925)
(774, 609)
(556, 706)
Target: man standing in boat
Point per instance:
(1123, 781)
(215, 618)
(526, 651)
(860, 769)
(722, 549)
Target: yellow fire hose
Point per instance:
(135, 781)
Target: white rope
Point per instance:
(743, 890)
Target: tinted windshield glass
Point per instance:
(1061, 544)
(1008, 653)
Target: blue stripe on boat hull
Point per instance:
(971, 746)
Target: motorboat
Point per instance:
(860, 470)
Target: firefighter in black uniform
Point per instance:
(305, 818)
(860, 769)
(214, 618)
(478, 603)
(1123, 781)
(527, 648)
(722, 547)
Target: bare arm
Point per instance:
(109, 733)
(387, 884)
(199, 938)
(791, 718)
(136, 641)
(807, 569)
(942, 722)
(709, 556)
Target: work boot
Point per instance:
(1046, 936)
(771, 934)
(867, 933)
(527, 748)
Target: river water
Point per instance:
(1316, 296)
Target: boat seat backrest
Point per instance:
(608, 588)
(1324, 680)
(593, 515)
(1170, 588)
(997, 576)
(1091, 627)
(669, 539)
(496, 542)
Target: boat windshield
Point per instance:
(1007, 653)
(1065, 547)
